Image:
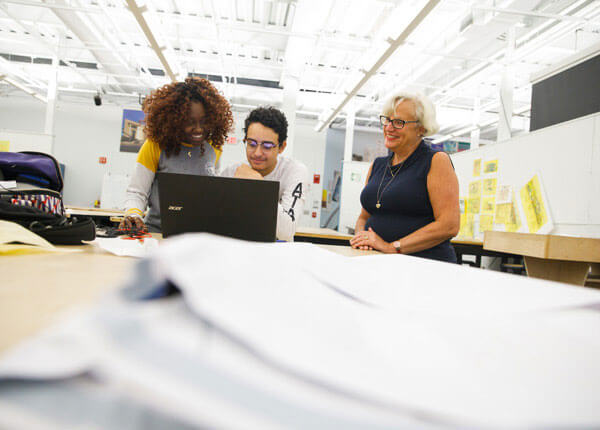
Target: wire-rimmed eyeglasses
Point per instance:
(253, 144)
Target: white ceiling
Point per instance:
(250, 48)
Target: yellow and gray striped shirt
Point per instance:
(143, 188)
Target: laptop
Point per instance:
(239, 208)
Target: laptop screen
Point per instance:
(239, 208)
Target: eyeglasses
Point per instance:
(396, 123)
(253, 144)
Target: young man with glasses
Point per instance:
(265, 131)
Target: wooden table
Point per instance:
(37, 287)
(325, 236)
(558, 258)
(104, 216)
(463, 246)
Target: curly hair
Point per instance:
(168, 108)
(269, 117)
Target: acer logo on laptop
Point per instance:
(175, 208)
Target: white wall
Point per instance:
(354, 176)
(567, 158)
(334, 156)
(309, 148)
(85, 132)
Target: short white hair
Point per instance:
(424, 109)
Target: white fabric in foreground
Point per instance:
(292, 336)
(483, 347)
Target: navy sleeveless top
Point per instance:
(405, 205)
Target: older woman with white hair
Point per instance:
(410, 200)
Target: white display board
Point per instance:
(114, 186)
(27, 141)
(567, 159)
(354, 176)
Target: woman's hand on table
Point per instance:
(132, 222)
(369, 240)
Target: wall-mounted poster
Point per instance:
(514, 222)
(132, 130)
(488, 205)
(489, 187)
(464, 146)
(486, 223)
(475, 189)
(477, 167)
(490, 166)
(535, 206)
(450, 146)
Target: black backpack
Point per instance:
(36, 201)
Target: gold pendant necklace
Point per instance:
(393, 175)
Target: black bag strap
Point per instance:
(58, 230)
(65, 231)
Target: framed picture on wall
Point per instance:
(132, 130)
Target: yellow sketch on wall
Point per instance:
(504, 194)
(475, 189)
(466, 225)
(489, 186)
(490, 166)
(473, 205)
(503, 213)
(514, 222)
(533, 204)
(488, 205)
(4, 145)
(477, 167)
(486, 222)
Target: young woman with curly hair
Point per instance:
(186, 126)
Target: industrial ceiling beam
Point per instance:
(158, 50)
(394, 44)
(558, 17)
(34, 32)
(23, 88)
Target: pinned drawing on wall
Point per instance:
(466, 225)
(473, 205)
(535, 206)
(132, 130)
(490, 166)
(514, 221)
(486, 223)
(489, 187)
(477, 167)
(504, 194)
(488, 205)
(4, 145)
(475, 189)
(503, 213)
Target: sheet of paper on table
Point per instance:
(126, 247)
